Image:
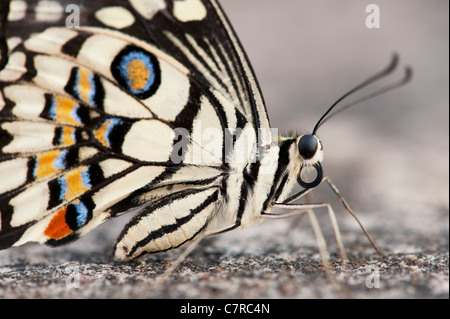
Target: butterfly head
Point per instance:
(310, 151)
(310, 147)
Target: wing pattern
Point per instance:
(104, 107)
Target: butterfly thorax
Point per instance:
(262, 182)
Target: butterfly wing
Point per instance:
(89, 116)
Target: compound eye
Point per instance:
(307, 146)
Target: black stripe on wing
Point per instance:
(153, 231)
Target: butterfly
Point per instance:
(149, 106)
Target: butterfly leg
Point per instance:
(347, 207)
(343, 202)
(300, 209)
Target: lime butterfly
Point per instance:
(143, 105)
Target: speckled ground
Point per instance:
(249, 265)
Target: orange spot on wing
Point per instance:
(68, 137)
(100, 133)
(75, 183)
(138, 74)
(44, 164)
(84, 85)
(58, 228)
(64, 109)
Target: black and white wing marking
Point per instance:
(89, 116)
(195, 32)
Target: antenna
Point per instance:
(389, 69)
